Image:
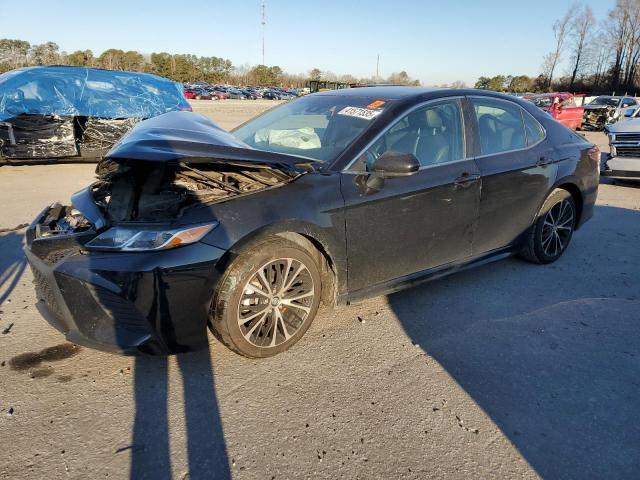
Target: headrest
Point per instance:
(417, 120)
(434, 119)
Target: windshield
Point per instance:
(542, 102)
(317, 127)
(607, 101)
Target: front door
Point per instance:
(417, 222)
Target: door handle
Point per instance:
(466, 179)
(543, 162)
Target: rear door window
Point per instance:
(500, 126)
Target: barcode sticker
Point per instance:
(358, 112)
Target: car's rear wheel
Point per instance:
(266, 299)
(549, 236)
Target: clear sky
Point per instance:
(435, 41)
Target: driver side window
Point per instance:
(433, 133)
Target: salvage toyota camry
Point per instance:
(330, 198)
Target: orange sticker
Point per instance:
(376, 104)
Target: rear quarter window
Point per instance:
(532, 128)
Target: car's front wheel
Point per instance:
(549, 236)
(266, 299)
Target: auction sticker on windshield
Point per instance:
(358, 112)
(376, 104)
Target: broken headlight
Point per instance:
(140, 240)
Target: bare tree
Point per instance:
(581, 31)
(599, 58)
(618, 30)
(633, 48)
(560, 32)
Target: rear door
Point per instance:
(517, 170)
(416, 222)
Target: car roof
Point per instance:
(551, 94)
(409, 94)
(387, 92)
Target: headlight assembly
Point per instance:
(129, 239)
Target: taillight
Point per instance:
(594, 154)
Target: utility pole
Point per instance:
(264, 22)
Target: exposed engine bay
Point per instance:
(595, 118)
(163, 167)
(158, 192)
(161, 192)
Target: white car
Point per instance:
(624, 141)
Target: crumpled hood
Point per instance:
(188, 136)
(631, 125)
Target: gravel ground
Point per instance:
(509, 370)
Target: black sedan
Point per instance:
(330, 198)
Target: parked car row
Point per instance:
(202, 91)
(595, 115)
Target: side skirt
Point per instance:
(424, 276)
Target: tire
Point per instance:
(273, 282)
(550, 235)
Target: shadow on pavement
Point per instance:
(12, 262)
(151, 453)
(553, 360)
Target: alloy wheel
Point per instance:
(275, 302)
(557, 228)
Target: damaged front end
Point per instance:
(108, 270)
(597, 117)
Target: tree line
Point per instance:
(178, 67)
(598, 55)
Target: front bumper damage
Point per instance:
(167, 172)
(139, 302)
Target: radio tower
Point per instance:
(264, 22)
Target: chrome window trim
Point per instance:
(400, 117)
(527, 147)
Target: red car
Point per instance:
(561, 106)
(197, 94)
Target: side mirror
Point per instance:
(396, 164)
(629, 112)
